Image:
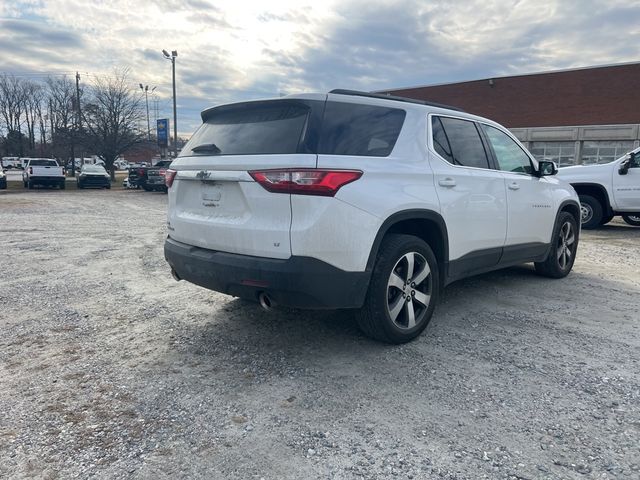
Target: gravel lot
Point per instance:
(111, 369)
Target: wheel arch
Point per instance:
(597, 191)
(424, 224)
(572, 207)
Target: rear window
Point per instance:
(94, 168)
(272, 127)
(361, 130)
(43, 163)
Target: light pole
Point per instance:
(145, 89)
(172, 57)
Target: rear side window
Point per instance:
(254, 128)
(458, 142)
(360, 130)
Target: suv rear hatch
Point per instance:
(214, 201)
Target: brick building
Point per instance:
(579, 116)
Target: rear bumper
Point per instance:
(94, 181)
(47, 180)
(300, 282)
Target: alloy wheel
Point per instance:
(586, 212)
(409, 290)
(566, 241)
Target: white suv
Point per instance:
(363, 201)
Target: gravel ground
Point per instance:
(110, 369)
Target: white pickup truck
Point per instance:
(43, 171)
(607, 190)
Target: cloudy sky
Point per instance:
(232, 50)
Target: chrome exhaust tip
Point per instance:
(175, 275)
(266, 302)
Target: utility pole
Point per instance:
(172, 57)
(155, 108)
(145, 90)
(175, 115)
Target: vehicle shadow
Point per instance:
(329, 335)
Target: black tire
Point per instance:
(80, 186)
(62, 185)
(590, 212)
(389, 290)
(606, 219)
(564, 245)
(29, 184)
(146, 189)
(108, 187)
(632, 219)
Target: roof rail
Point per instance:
(357, 93)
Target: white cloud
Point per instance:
(230, 50)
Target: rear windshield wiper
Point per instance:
(206, 147)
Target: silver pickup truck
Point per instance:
(43, 171)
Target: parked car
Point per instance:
(43, 171)
(361, 201)
(156, 176)
(607, 190)
(138, 175)
(3, 179)
(127, 184)
(94, 176)
(121, 164)
(10, 162)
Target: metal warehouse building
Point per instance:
(579, 116)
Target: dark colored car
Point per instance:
(155, 176)
(3, 179)
(139, 176)
(94, 176)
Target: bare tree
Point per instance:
(32, 98)
(112, 116)
(61, 99)
(12, 102)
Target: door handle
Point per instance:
(514, 186)
(447, 182)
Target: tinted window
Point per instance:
(273, 127)
(43, 163)
(362, 130)
(440, 140)
(511, 158)
(460, 142)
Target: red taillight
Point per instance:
(162, 173)
(168, 177)
(305, 181)
(141, 172)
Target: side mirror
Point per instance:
(546, 168)
(626, 164)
